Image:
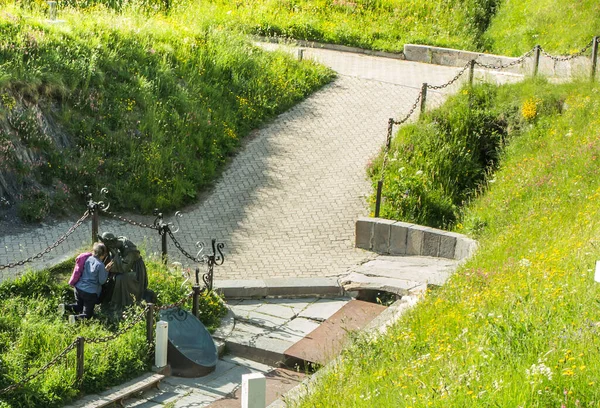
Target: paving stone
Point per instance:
(300, 326)
(265, 320)
(281, 311)
(326, 341)
(297, 305)
(323, 309)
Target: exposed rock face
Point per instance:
(29, 137)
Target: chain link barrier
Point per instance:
(120, 332)
(453, 80)
(510, 64)
(183, 251)
(128, 221)
(568, 57)
(51, 247)
(42, 370)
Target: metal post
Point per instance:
(300, 54)
(95, 224)
(536, 60)
(149, 322)
(423, 96)
(80, 345)
(378, 198)
(164, 244)
(471, 72)
(195, 300)
(594, 57)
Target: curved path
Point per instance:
(287, 203)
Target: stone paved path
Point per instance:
(286, 205)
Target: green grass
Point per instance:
(518, 324)
(144, 105)
(375, 24)
(560, 27)
(32, 334)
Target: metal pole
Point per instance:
(95, 224)
(149, 322)
(300, 54)
(164, 244)
(80, 349)
(378, 199)
(423, 96)
(536, 60)
(195, 300)
(471, 72)
(594, 57)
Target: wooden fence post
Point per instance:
(423, 96)
(80, 351)
(536, 60)
(471, 72)
(594, 57)
(149, 322)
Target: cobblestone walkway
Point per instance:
(286, 205)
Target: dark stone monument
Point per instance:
(191, 351)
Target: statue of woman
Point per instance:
(128, 272)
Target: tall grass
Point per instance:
(562, 27)
(518, 324)
(144, 105)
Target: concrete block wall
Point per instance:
(389, 237)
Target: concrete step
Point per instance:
(118, 394)
(325, 342)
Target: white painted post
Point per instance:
(162, 338)
(254, 391)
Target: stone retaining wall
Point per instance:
(390, 237)
(576, 67)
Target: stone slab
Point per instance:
(302, 286)
(323, 309)
(326, 341)
(241, 288)
(381, 235)
(279, 381)
(414, 240)
(420, 269)
(364, 233)
(264, 320)
(398, 234)
(297, 304)
(356, 281)
(431, 243)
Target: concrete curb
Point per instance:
(390, 237)
(288, 287)
(328, 46)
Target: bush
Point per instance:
(438, 164)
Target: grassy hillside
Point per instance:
(561, 27)
(518, 324)
(375, 24)
(145, 105)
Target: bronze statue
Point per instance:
(129, 281)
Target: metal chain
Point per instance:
(568, 57)
(125, 329)
(173, 305)
(137, 224)
(397, 122)
(41, 370)
(510, 64)
(51, 247)
(183, 251)
(453, 80)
